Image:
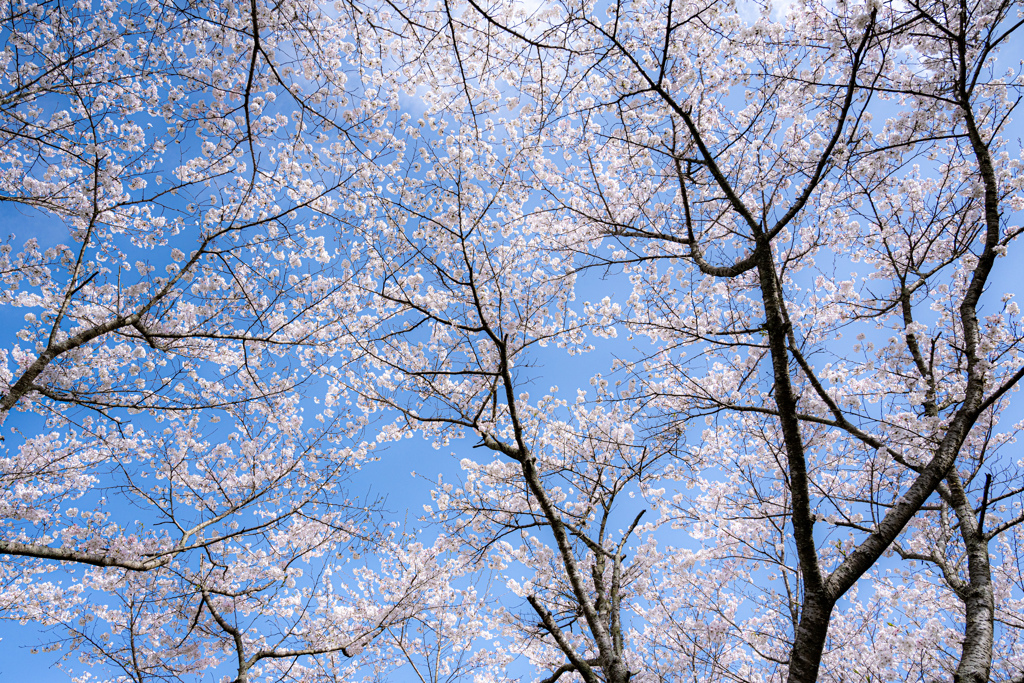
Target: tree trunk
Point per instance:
(809, 643)
(977, 594)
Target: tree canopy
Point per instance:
(697, 319)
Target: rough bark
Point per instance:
(977, 594)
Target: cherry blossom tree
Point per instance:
(745, 149)
(462, 302)
(173, 502)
